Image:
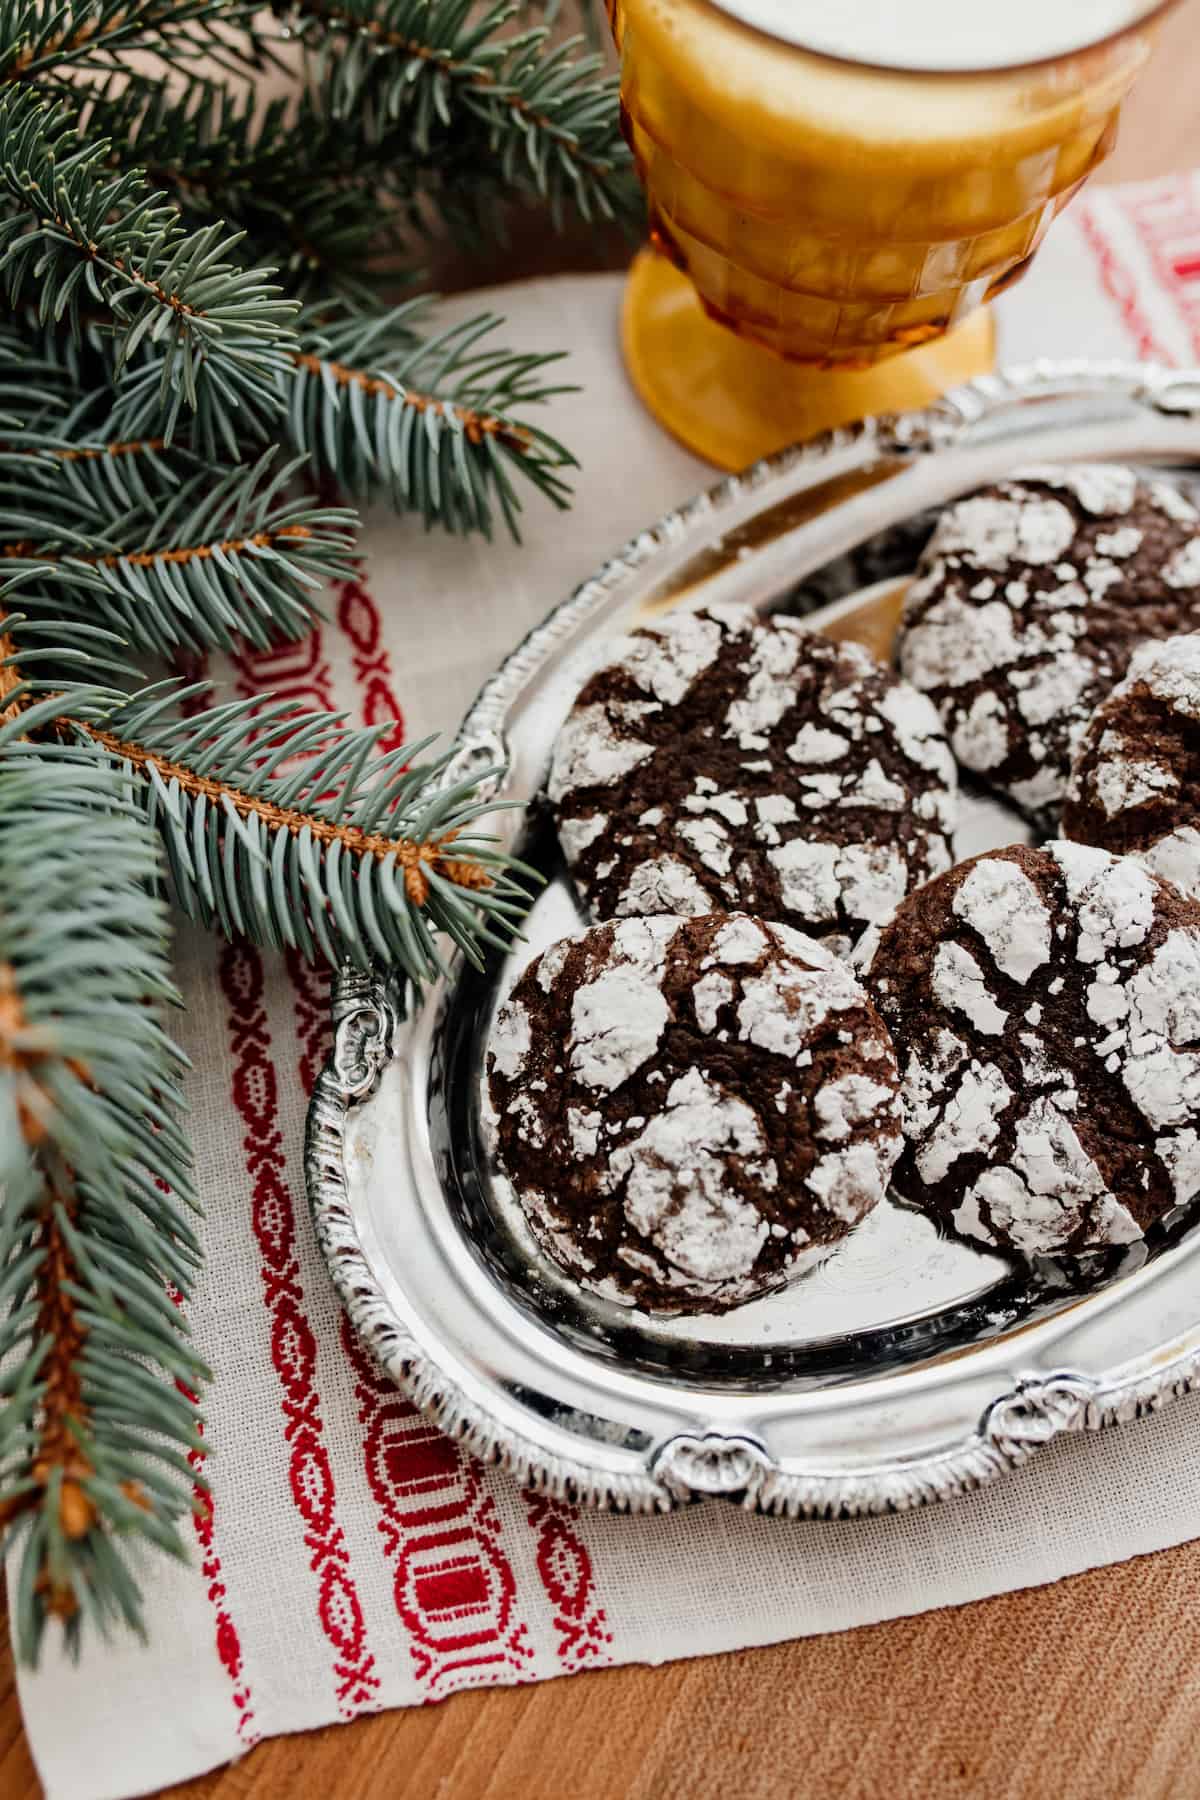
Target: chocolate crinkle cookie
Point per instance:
(1029, 600)
(1045, 1008)
(691, 1111)
(717, 762)
(1135, 781)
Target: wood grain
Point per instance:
(1088, 1690)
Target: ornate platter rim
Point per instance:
(1045, 411)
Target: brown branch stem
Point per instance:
(62, 1408)
(416, 859)
(476, 425)
(63, 43)
(131, 447)
(91, 452)
(93, 252)
(146, 559)
(10, 680)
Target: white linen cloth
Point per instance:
(354, 1559)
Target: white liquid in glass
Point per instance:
(941, 35)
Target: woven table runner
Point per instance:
(353, 1558)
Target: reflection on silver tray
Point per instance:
(908, 1366)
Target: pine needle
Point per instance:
(195, 363)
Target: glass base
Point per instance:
(731, 401)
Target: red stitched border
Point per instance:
(293, 1344)
(1121, 287)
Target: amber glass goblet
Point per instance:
(835, 195)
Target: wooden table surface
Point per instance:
(985, 1702)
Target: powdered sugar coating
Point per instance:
(961, 987)
(707, 1231)
(1046, 1194)
(852, 1100)
(710, 994)
(997, 530)
(1176, 858)
(1171, 672)
(616, 1023)
(666, 665)
(789, 1003)
(579, 833)
(1135, 778)
(663, 884)
(1029, 601)
(590, 746)
(787, 774)
(699, 1107)
(969, 1123)
(1001, 904)
(1113, 900)
(1102, 489)
(1122, 782)
(510, 1040)
(1045, 1006)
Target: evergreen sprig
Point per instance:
(287, 828)
(194, 565)
(39, 39)
(432, 422)
(96, 1231)
(220, 332)
(201, 350)
(304, 192)
(548, 115)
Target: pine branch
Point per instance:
(34, 387)
(77, 663)
(287, 828)
(436, 424)
(44, 38)
(220, 335)
(93, 1429)
(150, 366)
(550, 117)
(430, 422)
(320, 196)
(126, 472)
(283, 175)
(190, 565)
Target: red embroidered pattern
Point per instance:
(293, 1346)
(358, 618)
(563, 1562)
(1121, 287)
(454, 1587)
(314, 1028)
(229, 1644)
(1166, 218)
(565, 1566)
(298, 672)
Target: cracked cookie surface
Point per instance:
(1135, 780)
(1029, 600)
(1045, 1008)
(720, 762)
(691, 1111)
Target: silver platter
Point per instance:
(908, 1367)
